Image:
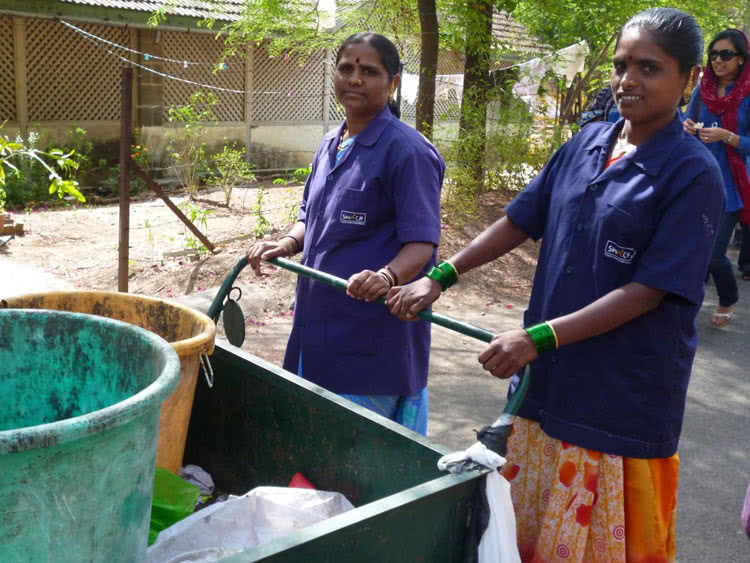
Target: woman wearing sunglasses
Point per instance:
(719, 115)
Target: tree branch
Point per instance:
(565, 113)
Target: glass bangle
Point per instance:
(451, 274)
(438, 275)
(543, 337)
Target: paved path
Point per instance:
(715, 444)
(18, 278)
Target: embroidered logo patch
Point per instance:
(619, 253)
(353, 217)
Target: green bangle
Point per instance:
(444, 273)
(438, 276)
(543, 336)
(451, 274)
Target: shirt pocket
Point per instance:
(353, 214)
(625, 233)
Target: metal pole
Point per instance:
(126, 136)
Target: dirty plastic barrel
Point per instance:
(79, 415)
(190, 332)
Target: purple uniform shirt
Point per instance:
(651, 217)
(358, 213)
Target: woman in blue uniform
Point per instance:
(371, 214)
(721, 105)
(628, 214)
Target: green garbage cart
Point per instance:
(259, 425)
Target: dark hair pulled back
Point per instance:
(737, 39)
(677, 33)
(388, 56)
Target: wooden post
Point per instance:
(249, 99)
(133, 58)
(22, 99)
(126, 136)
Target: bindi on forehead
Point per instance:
(356, 60)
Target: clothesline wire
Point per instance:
(164, 74)
(147, 56)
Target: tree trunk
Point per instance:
(427, 66)
(473, 120)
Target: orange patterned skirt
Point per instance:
(578, 505)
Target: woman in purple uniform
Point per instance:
(370, 213)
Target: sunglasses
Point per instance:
(725, 55)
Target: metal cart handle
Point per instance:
(515, 401)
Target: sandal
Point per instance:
(746, 276)
(720, 319)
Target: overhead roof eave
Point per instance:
(53, 9)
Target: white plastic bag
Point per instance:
(498, 543)
(244, 522)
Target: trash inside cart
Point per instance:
(259, 425)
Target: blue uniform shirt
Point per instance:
(358, 213)
(719, 148)
(651, 217)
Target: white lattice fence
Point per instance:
(7, 71)
(285, 91)
(204, 50)
(69, 77)
(336, 110)
(446, 105)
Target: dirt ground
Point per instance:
(79, 245)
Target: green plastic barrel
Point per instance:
(191, 334)
(79, 414)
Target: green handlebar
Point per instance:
(514, 402)
(442, 320)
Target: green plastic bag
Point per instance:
(174, 499)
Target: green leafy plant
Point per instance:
(150, 236)
(231, 170)
(292, 208)
(297, 175)
(262, 223)
(301, 174)
(18, 162)
(186, 146)
(197, 215)
(141, 156)
(75, 140)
